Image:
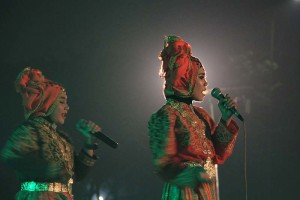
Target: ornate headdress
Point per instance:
(179, 67)
(39, 95)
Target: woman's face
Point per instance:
(200, 85)
(60, 111)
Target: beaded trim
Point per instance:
(33, 186)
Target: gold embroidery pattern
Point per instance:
(199, 141)
(223, 135)
(210, 168)
(55, 147)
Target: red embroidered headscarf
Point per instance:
(179, 68)
(39, 95)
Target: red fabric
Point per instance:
(179, 67)
(180, 81)
(180, 134)
(38, 93)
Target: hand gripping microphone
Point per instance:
(216, 92)
(101, 136)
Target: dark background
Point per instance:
(105, 54)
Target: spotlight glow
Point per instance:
(101, 198)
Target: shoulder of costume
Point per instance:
(24, 130)
(165, 109)
(26, 125)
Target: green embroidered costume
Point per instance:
(41, 154)
(183, 138)
(185, 141)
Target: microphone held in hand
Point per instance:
(216, 92)
(81, 124)
(110, 142)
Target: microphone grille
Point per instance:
(216, 92)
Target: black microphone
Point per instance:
(216, 92)
(101, 136)
(107, 140)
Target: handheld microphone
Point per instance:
(216, 93)
(101, 136)
(107, 140)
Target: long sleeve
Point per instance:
(224, 139)
(22, 153)
(223, 136)
(37, 152)
(83, 164)
(21, 146)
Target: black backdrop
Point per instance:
(105, 53)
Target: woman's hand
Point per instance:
(87, 128)
(224, 106)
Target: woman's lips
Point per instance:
(205, 92)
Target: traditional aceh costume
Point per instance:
(185, 141)
(42, 156)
